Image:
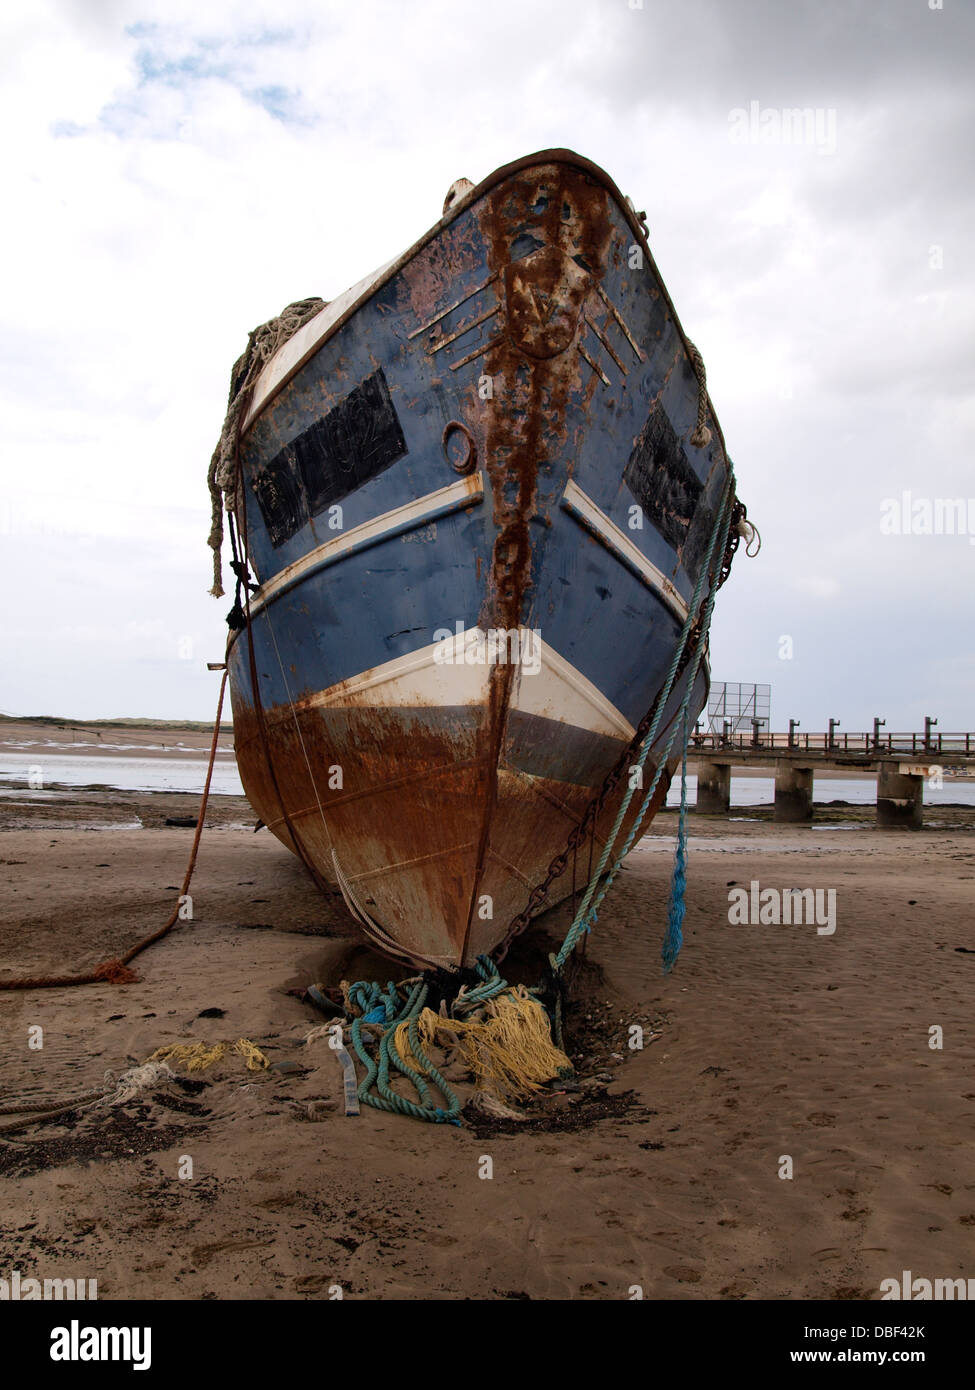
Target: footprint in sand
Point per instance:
(739, 1288)
(311, 1283)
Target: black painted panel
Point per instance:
(357, 440)
(661, 479)
(281, 499)
(699, 531)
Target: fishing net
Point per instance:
(222, 479)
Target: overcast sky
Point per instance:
(175, 173)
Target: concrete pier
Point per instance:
(900, 762)
(900, 797)
(713, 787)
(793, 792)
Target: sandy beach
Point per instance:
(657, 1169)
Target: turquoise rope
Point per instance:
(492, 985)
(586, 915)
(371, 999)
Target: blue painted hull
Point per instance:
(495, 437)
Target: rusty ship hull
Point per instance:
(471, 500)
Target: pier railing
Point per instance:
(865, 744)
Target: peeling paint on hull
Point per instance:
(520, 346)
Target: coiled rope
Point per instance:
(502, 1031)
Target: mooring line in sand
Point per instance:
(40, 1110)
(128, 1087)
(116, 970)
(43, 1115)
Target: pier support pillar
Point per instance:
(713, 787)
(793, 792)
(900, 798)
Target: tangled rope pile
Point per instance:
(499, 1033)
(384, 1012)
(508, 1049)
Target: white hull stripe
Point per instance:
(419, 680)
(560, 691)
(584, 510)
(392, 523)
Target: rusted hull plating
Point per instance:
(494, 440)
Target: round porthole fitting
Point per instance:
(458, 446)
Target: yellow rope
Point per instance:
(199, 1056)
(509, 1051)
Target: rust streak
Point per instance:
(534, 372)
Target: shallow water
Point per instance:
(124, 774)
(760, 791)
(188, 774)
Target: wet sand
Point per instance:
(772, 1041)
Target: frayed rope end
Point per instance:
(114, 972)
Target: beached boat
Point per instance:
(476, 493)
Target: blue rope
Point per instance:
(675, 908)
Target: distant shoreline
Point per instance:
(149, 738)
(57, 721)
